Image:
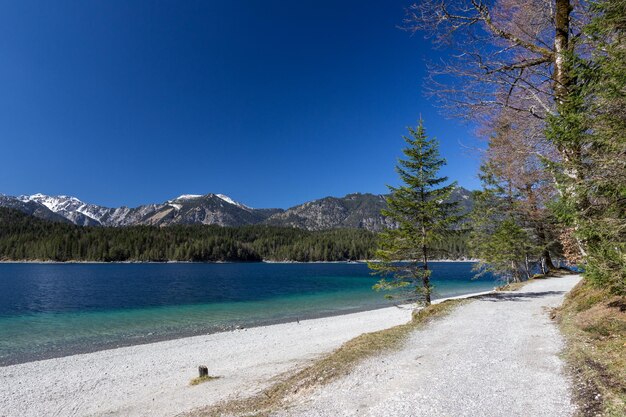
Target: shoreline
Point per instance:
(152, 338)
(157, 338)
(154, 378)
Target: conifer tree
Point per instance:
(423, 214)
(604, 223)
(497, 238)
(593, 118)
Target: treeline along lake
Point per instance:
(24, 238)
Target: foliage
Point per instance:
(505, 236)
(424, 214)
(604, 224)
(591, 128)
(502, 246)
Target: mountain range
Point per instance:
(351, 211)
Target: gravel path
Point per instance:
(497, 356)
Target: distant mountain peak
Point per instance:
(223, 197)
(54, 203)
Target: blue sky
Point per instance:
(270, 102)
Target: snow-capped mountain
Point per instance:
(351, 211)
(221, 196)
(203, 209)
(185, 209)
(69, 207)
(32, 208)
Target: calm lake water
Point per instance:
(50, 310)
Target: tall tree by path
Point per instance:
(504, 245)
(424, 215)
(593, 118)
(512, 172)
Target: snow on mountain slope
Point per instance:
(187, 197)
(53, 203)
(69, 207)
(231, 201)
(32, 208)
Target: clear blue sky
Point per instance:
(271, 102)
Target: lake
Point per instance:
(51, 310)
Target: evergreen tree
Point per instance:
(501, 244)
(593, 121)
(424, 216)
(605, 222)
(506, 235)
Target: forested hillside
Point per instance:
(24, 237)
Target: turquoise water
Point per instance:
(49, 310)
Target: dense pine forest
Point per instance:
(24, 237)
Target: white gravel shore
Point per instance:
(496, 356)
(153, 379)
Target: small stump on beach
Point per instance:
(203, 376)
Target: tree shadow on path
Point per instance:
(518, 296)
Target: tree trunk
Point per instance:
(527, 266)
(546, 259)
(561, 75)
(571, 153)
(426, 277)
(514, 272)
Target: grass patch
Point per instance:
(594, 324)
(200, 379)
(331, 367)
